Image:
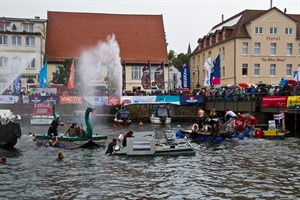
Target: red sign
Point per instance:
(70, 100)
(274, 101)
(113, 100)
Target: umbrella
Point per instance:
(233, 86)
(283, 82)
(291, 82)
(186, 90)
(243, 85)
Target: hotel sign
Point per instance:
(28, 76)
(273, 59)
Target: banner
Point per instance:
(293, 102)
(159, 76)
(146, 82)
(138, 100)
(191, 100)
(70, 100)
(113, 100)
(207, 66)
(274, 101)
(8, 99)
(97, 100)
(71, 78)
(43, 99)
(168, 99)
(43, 76)
(185, 75)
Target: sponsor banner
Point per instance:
(293, 102)
(70, 100)
(97, 100)
(43, 99)
(191, 100)
(274, 101)
(168, 99)
(25, 99)
(138, 100)
(113, 100)
(8, 99)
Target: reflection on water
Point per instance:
(248, 169)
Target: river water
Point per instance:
(243, 169)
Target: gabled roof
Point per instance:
(140, 37)
(239, 21)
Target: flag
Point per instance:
(207, 66)
(124, 75)
(215, 72)
(43, 76)
(185, 75)
(146, 83)
(159, 76)
(17, 85)
(297, 75)
(71, 78)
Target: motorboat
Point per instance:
(144, 144)
(161, 115)
(122, 117)
(10, 131)
(42, 114)
(75, 137)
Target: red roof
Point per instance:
(140, 37)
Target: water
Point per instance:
(248, 169)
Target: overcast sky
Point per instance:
(184, 20)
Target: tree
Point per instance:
(62, 75)
(177, 60)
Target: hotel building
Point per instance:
(255, 46)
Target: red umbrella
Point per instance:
(186, 90)
(291, 82)
(243, 85)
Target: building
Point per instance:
(141, 39)
(22, 45)
(255, 46)
(174, 78)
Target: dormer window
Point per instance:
(210, 40)
(224, 35)
(14, 28)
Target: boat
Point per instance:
(122, 117)
(276, 128)
(143, 143)
(75, 137)
(10, 132)
(161, 115)
(43, 114)
(8, 114)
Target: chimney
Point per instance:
(271, 4)
(222, 17)
(285, 11)
(37, 17)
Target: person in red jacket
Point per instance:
(252, 121)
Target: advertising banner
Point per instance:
(138, 99)
(70, 100)
(191, 100)
(168, 99)
(43, 99)
(97, 100)
(113, 100)
(293, 102)
(274, 101)
(8, 99)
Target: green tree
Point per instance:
(177, 60)
(63, 73)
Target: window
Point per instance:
(256, 48)
(244, 69)
(210, 40)
(16, 40)
(288, 31)
(136, 72)
(288, 70)
(28, 27)
(273, 30)
(31, 64)
(272, 70)
(245, 48)
(258, 30)
(223, 71)
(289, 49)
(223, 35)
(217, 38)
(175, 78)
(3, 39)
(256, 69)
(298, 49)
(3, 26)
(273, 49)
(30, 41)
(3, 62)
(152, 72)
(223, 53)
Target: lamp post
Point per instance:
(198, 84)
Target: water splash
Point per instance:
(17, 66)
(100, 66)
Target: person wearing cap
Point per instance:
(52, 131)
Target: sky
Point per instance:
(185, 21)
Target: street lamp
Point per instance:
(198, 84)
